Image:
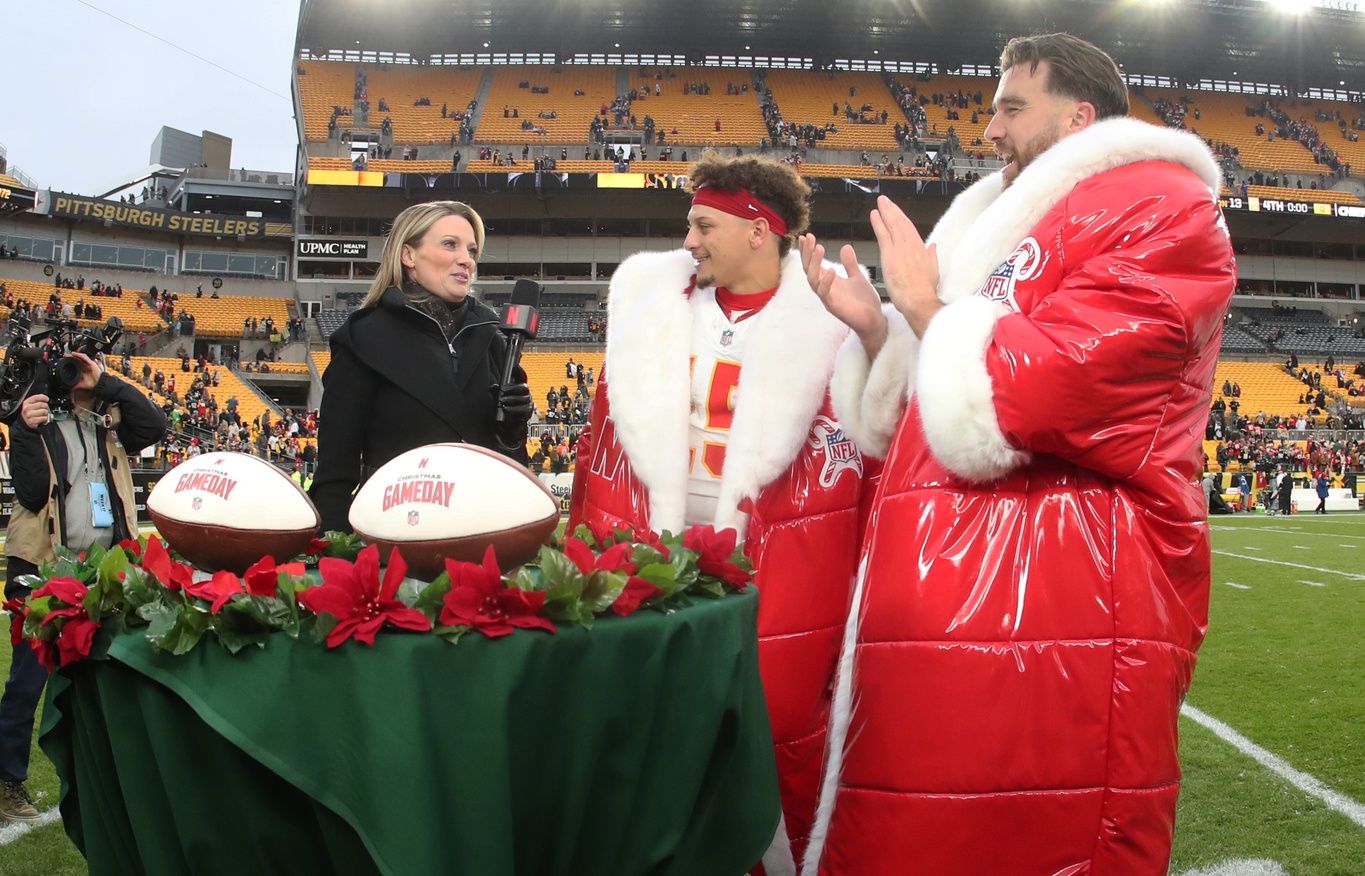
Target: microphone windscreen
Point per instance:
(526, 292)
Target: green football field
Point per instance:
(1273, 740)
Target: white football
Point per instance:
(454, 500)
(228, 510)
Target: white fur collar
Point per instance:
(782, 386)
(973, 240)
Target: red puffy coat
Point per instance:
(1037, 572)
(793, 485)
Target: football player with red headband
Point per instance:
(714, 409)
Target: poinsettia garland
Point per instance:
(139, 584)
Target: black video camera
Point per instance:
(42, 363)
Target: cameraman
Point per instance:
(72, 487)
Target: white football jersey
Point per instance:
(717, 354)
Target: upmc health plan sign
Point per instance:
(334, 249)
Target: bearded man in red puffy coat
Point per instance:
(1035, 581)
(714, 409)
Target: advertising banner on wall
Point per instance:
(333, 249)
(130, 216)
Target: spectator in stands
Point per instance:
(62, 499)
(738, 446)
(989, 456)
(418, 363)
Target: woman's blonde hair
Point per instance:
(408, 229)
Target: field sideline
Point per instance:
(1271, 737)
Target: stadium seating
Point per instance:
(1318, 340)
(808, 97)
(545, 371)
(1322, 196)
(249, 404)
(402, 85)
(691, 118)
(322, 86)
(1330, 132)
(135, 319)
(1235, 340)
(326, 84)
(1223, 118)
(1285, 315)
(936, 116)
(574, 112)
(222, 317)
(1265, 387)
(330, 320)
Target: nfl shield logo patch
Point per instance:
(1023, 264)
(413, 518)
(840, 453)
(197, 503)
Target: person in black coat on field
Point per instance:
(418, 363)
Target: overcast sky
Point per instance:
(85, 94)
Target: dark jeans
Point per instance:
(23, 691)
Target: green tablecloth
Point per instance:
(641, 746)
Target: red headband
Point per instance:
(741, 203)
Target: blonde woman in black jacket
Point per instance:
(417, 363)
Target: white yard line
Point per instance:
(13, 831)
(1312, 583)
(1241, 867)
(1299, 532)
(1334, 800)
(1238, 586)
(1352, 575)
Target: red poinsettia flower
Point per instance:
(42, 649)
(605, 532)
(317, 546)
(218, 590)
(479, 598)
(263, 578)
(172, 575)
(77, 634)
(16, 609)
(132, 546)
(615, 559)
(714, 550)
(359, 600)
(652, 539)
(637, 590)
(67, 590)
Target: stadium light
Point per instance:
(1292, 7)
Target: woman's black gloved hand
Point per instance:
(514, 404)
(514, 411)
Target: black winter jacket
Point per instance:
(394, 384)
(39, 462)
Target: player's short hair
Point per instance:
(1076, 69)
(776, 185)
